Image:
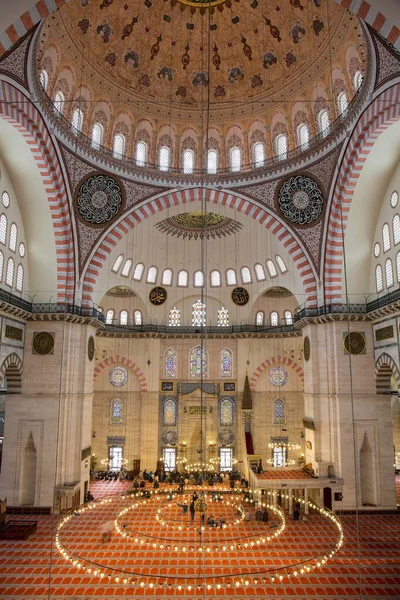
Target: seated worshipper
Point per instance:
(259, 514)
(211, 521)
(184, 508)
(247, 516)
(296, 514)
(265, 516)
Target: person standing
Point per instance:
(192, 510)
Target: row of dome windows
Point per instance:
(9, 275)
(386, 246)
(12, 234)
(164, 158)
(199, 317)
(198, 276)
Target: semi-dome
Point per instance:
(150, 70)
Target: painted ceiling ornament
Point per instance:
(118, 376)
(99, 198)
(278, 376)
(198, 225)
(300, 200)
(202, 3)
(121, 291)
(169, 437)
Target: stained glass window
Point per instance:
(109, 316)
(198, 362)
(10, 272)
(223, 317)
(198, 314)
(20, 278)
(169, 416)
(274, 319)
(389, 273)
(118, 376)
(396, 229)
(226, 412)
(170, 361)
(386, 237)
(137, 317)
(288, 317)
(12, 244)
(279, 411)
(278, 376)
(123, 317)
(174, 319)
(117, 411)
(3, 229)
(226, 362)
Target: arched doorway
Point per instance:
(327, 491)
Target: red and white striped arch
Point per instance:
(113, 361)
(364, 10)
(275, 361)
(247, 207)
(380, 114)
(22, 114)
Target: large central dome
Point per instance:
(244, 57)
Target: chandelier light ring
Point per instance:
(205, 582)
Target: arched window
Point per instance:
(118, 263)
(123, 317)
(260, 273)
(1, 265)
(258, 154)
(3, 229)
(164, 158)
(183, 278)
(343, 103)
(109, 317)
(397, 266)
(281, 264)
(59, 100)
(358, 79)
(212, 162)
(170, 362)
(231, 277)
(260, 318)
(12, 243)
(138, 272)
(386, 237)
(141, 154)
(274, 319)
(97, 135)
(117, 411)
(281, 146)
(396, 229)
(389, 273)
(379, 278)
(226, 412)
(126, 268)
(226, 362)
(235, 158)
(77, 120)
(119, 145)
(169, 411)
(198, 279)
(323, 121)
(271, 268)
(188, 161)
(174, 317)
(199, 314)
(10, 272)
(288, 317)
(279, 412)
(5, 198)
(152, 275)
(245, 275)
(44, 79)
(303, 134)
(215, 278)
(198, 362)
(137, 317)
(20, 278)
(394, 198)
(223, 317)
(166, 278)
